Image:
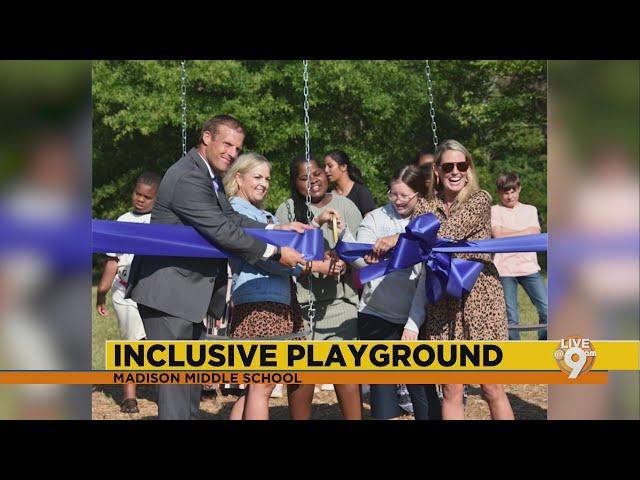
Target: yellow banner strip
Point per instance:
(361, 355)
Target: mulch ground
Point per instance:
(529, 402)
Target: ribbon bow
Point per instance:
(444, 274)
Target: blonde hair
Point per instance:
(472, 185)
(243, 164)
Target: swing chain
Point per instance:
(427, 70)
(183, 80)
(307, 153)
(307, 148)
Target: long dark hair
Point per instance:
(299, 202)
(342, 158)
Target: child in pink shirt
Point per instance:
(512, 218)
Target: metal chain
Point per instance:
(307, 153)
(427, 70)
(183, 79)
(307, 148)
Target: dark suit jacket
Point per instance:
(182, 286)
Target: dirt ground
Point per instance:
(529, 402)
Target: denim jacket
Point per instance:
(266, 281)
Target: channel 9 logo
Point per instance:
(575, 355)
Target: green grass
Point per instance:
(106, 328)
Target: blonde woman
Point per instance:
(264, 297)
(464, 212)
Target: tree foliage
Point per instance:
(377, 111)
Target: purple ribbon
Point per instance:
(445, 274)
(183, 241)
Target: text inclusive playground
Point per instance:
(571, 360)
(300, 355)
(372, 362)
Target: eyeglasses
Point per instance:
(402, 197)
(448, 167)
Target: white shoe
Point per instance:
(278, 391)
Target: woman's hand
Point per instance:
(293, 227)
(331, 266)
(384, 244)
(371, 258)
(327, 217)
(381, 248)
(324, 267)
(337, 266)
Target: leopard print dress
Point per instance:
(264, 320)
(480, 314)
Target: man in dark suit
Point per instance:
(174, 293)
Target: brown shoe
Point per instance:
(129, 405)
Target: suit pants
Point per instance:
(175, 402)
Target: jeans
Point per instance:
(536, 289)
(384, 398)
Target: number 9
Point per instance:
(576, 366)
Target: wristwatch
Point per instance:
(276, 256)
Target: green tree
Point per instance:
(377, 111)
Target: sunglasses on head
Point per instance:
(448, 167)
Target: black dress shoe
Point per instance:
(129, 405)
